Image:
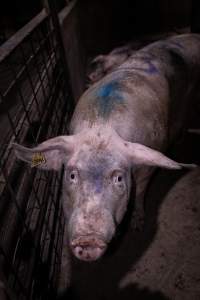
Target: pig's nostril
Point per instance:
(88, 253)
(88, 250)
(78, 250)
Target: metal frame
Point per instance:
(35, 104)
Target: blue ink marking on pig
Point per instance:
(149, 69)
(108, 96)
(95, 175)
(177, 44)
(97, 168)
(167, 44)
(98, 185)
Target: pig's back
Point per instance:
(137, 98)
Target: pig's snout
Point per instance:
(90, 228)
(88, 248)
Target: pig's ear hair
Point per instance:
(48, 155)
(145, 156)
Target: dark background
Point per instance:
(107, 23)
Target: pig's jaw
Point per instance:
(88, 248)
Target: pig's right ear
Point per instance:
(48, 155)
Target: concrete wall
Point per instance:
(107, 23)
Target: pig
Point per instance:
(119, 130)
(103, 64)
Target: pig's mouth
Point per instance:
(88, 248)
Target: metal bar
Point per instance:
(30, 80)
(13, 271)
(17, 38)
(22, 70)
(64, 13)
(43, 98)
(54, 15)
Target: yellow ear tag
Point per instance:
(37, 159)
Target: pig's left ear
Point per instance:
(142, 155)
(48, 155)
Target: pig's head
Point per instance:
(96, 183)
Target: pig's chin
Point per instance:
(88, 248)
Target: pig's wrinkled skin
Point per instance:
(118, 128)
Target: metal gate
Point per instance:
(35, 103)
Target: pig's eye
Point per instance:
(119, 182)
(118, 179)
(73, 176)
